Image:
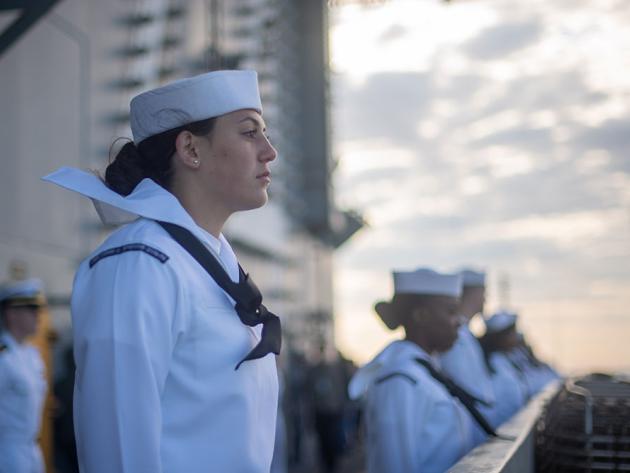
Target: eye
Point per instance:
(251, 133)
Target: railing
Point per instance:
(510, 456)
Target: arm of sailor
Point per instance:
(4, 384)
(396, 415)
(125, 321)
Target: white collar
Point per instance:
(10, 341)
(404, 349)
(213, 243)
(394, 354)
(148, 200)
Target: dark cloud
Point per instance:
(552, 189)
(548, 91)
(530, 139)
(460, 87)
(504, 39)
(612, 136)
(387, 106)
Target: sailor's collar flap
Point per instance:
(147, 200)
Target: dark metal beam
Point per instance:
(31, 12)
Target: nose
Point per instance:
(268, 152)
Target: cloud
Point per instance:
(530, 139)
(504, 39)
(386, 106)
(612, 136)
(393, 33)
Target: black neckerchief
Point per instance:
(467, 399)
(248, 299)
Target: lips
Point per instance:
(265, 176)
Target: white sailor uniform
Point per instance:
(464, 363)
(22, 394)
(156, 343)
(413, 423)
(536, 376)
(510, 390)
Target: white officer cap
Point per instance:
(471, 278)
(23, 293)
(189, 100)
(425, 281)
(500, 321)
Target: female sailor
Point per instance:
(171, 351)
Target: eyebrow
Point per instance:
(255, 122)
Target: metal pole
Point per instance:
(82, 40)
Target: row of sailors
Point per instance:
(430, 398)
(435, 395)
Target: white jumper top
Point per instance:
(22, 394)
(464, 363)
(413, 423)
(510, 391)
(156, 341)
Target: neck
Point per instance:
(468, 313)
(211, 222)
(206, 212)
(17, 335)
(421, 340)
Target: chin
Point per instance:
(447, 346)
(255, 202)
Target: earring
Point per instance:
(195, 162)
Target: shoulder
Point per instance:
(143, 238)
(135, 259)
(406, 373)
(398, 375)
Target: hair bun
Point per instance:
(126, 171)
(388, 314)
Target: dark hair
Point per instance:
(492, 342)
(151, 158)
(394, 313)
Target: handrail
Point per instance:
(502, 456)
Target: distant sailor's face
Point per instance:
(509, 340)
(473, 300)
(444, 322)
(25, 319)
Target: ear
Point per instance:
(186, 150)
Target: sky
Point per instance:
(492, 134)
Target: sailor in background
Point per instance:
(22, 378)
(173, 375)
(414, 422)
(537, 373)
(464, 362)
(509, 383)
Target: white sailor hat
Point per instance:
(26, 292)
(425, 281)
(471, 278)
(189, 100)
(500, 321)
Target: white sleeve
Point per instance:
(125, 326)
(3, 372)
(396, 414)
